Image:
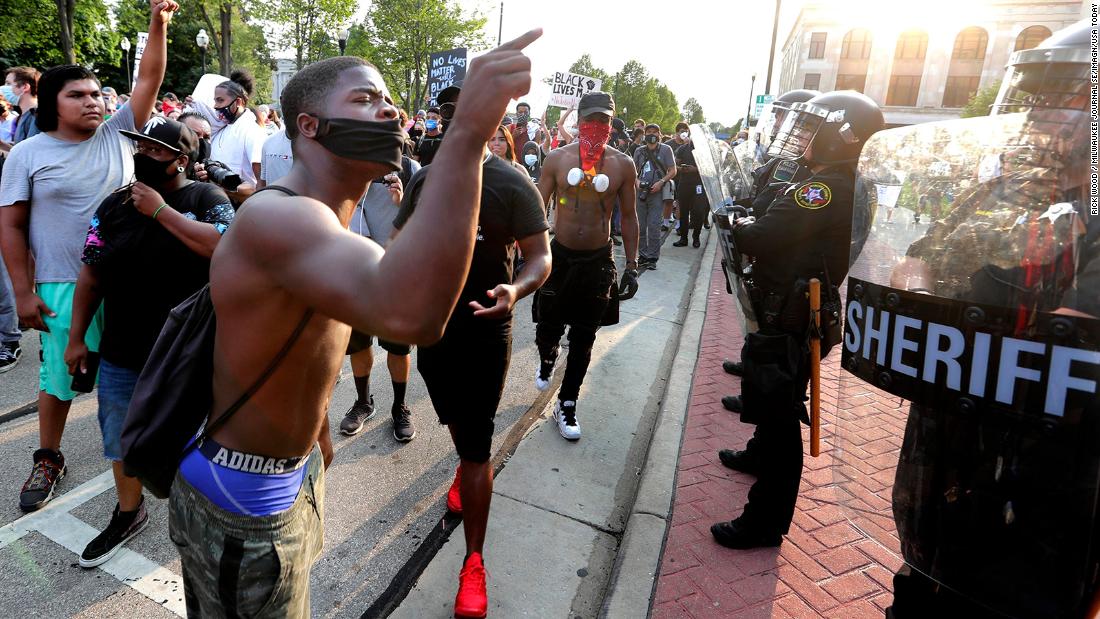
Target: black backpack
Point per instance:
(174, 393)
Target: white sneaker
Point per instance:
(542, 382)
(565, 413)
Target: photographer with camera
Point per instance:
(237, 145)
(656, 166)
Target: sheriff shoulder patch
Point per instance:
(813, 195)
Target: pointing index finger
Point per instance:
(522, 40)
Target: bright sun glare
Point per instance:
(890, 17)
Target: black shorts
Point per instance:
(465, 373)
(361, 341)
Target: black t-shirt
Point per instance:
(144, 270)
(427, 147)
(511, 209)
(685, 155)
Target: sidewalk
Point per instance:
(825, 567)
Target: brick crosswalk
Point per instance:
(842, 550)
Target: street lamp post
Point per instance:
(748, 112)
(342, 37)
(125, 45)
(202, 40)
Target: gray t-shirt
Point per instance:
(65, 182)
(375, 213)
(649, 173)
(277, 157)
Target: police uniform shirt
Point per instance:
(808, 221)
(771, 179)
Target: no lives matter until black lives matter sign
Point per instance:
(445, 69)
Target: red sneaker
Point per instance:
(454, 496)
(471, 601)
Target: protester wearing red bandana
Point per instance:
(586, 180)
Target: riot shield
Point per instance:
(966, 431)
(717, 169)
(748, 156)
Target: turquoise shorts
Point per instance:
(53, 375)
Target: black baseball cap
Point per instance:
(449, 94)
(170, 134)
(596, 102)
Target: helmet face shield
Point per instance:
(1058, 79)
(797, 131)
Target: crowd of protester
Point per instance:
(114, 204)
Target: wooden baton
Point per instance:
(815, 369)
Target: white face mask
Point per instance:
(684, 135)
(531, 159)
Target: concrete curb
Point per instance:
(634, 576)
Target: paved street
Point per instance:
(383, 499)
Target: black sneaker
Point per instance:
(544, 374)
(683, 242)
(695, 243)
(48, 471)
(357, 417)
(403, 430)
(9, 356)
(123, 526)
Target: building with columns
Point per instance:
(918, 71)
(285, 69)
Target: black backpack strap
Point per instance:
(651, 155)
(276, 188)
(247, 395)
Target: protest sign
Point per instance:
(444, 69)
(568, 88)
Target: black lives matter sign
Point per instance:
(568, 88)
(969, 357)
(444, 69)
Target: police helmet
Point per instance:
(1054, 75)
(837, 123)
(782, 104)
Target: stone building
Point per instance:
(917, 73)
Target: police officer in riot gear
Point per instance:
(772, 177)
(804, 234)
(995, 491)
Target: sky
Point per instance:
(707, 49)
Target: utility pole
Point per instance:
(771, 50)
(500, 29)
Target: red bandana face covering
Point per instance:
(593, 139)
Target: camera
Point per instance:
(643, 191)
(220, 174)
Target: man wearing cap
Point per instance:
(51, 187)
(584, 178)
(147, 249)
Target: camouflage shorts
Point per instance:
(248, 566)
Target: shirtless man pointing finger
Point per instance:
(247, 540)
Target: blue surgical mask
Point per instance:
(9, 94)
(431, 124)
(531, 159)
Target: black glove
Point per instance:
(629, 286)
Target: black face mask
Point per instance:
(650, 139)
(152, 172)
(203, 152)
(228, 113)
(363, 140)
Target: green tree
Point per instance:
(979, 104)
(31, 34)
(693, 112)
(398, 36)
(584, 66)
(307, 26)
(642, 96)
(248, 48)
